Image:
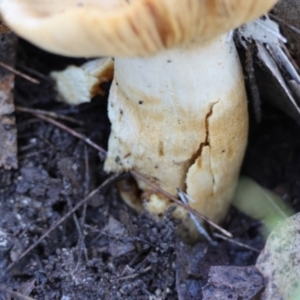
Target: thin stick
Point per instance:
(86, 182)
(235, 242)
(131, 276)
(18, 73)
(189, 209)
(80, 236)
(135, 173)
(71, 131)
(77, 225)
(31, 154)
(68, 214)
(81, 246)
(35, 73)
(185, 199)
(49, 114)
(295, 29)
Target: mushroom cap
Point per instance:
(125, 27)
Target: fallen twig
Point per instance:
(131, 276)
(68, 214)
(185, 199)
(235, 242)
(132, 172)
(70, 130)
(50, 114)
(86, 182)
(189, 209)
(18, 73)
(35, 73)
(276, 18)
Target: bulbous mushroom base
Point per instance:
(180, 119)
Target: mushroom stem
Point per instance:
(180, 118)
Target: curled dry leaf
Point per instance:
(279, 262)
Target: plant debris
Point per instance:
(275, 75)
(8, 131)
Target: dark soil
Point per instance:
(104, 250)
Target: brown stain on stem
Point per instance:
(206, 141)
(161, 148)
(106, 75)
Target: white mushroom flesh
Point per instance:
(180, 118)
(76, 85)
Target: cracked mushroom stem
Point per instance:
(177, 104)
(184, 127)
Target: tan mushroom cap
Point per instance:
(125, 27)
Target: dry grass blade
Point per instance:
(135, 274)
(50, 114)
(178, 202)
(134, 173)
(69, 130)
(235, 242)
(185, 199)
(35, 72)
(276, 18)
(18, 73)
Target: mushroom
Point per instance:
(177, 103)
(76, 85)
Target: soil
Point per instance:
(105, 250)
